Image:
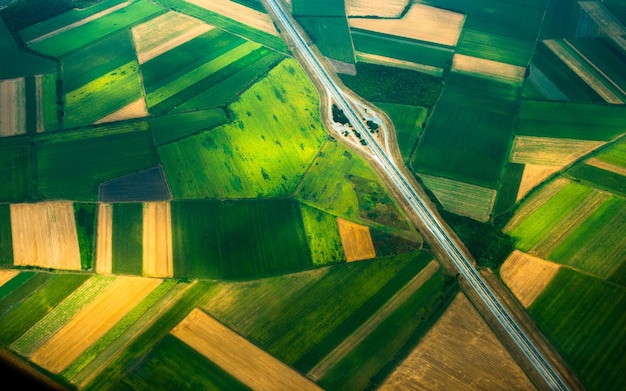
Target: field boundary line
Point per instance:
(373, 322)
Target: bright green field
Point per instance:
(322, 233)
(238, 239)
(408, 121)
(127, 239)
(596, 246)
(274, 135)
(584, 318)
(615, 155)
(583, 121)
(15, 169)
(537, 225)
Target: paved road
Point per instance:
(465, 268)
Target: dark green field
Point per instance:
(127, 240)
(509, 188)
(19, 288)
(238, 239)
(86, 215)
(6, 241)
(597, 177)
(318, 8)
(174, 127)
(407, 121)
(16, 163)
(15, 63)
(584, 318)
(331, 35)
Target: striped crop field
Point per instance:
(527, 276)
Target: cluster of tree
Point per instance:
(378, 83)
(339, 116)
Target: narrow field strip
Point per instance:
(92, 322)
(104, 239)
(489, 68)
(531, 205)
(381, 9)
(6, 275)
(606, 166)
(12, 107)
(603, 18)
(44, 235)
(566, 226)
(421, 22)
(583, 72)
(39, 104)
(547, 151)
(373, 322)
(240, 13)
(394, 62)
(197, 31)
(527, 275)
(157, 240)
(240, 358)
(80, 22)
(356, 240)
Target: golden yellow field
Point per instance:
(104, 254)
(546, 151)
(527, 276)
(393, 62)
(356, 240)
(164, 33)
(6, 275)
(533, 203)
(534, 174)
(462, 198)
(137, 109)
(157, 240)
(92, 322)
(421, 22)
(606, 166)
(12, 107)
(240, 358)
(489, 68)
(239, 13)
(44, 235)
(381, 9)
(459, 353)
(374, 321)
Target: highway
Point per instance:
(431, 222)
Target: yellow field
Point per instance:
(92, 322)
(239, 13)
(393, 62)
(12, 107)
(546, 151)
(164, 33)
(6, 275)
(137, 109)
(240, 358)
(381, 9)
(104, 254)
(373, 322)
(489, 68)
(534, 174)
(44, 235)
(421, 22)
(462, 198)
(532, 204)
(157, 240)
(356, 240)
(606, 166)
(459, 353)
(527, 276)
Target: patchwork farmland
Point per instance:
(167, 184)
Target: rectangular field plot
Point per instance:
(44, 235)
(407, 121)
(322, 235)
(356, 241)
(388, 9)
(15, 169)
(238, 357)
(318, 8)
(12, 107)
(157, 239)
(269, 239)
(584, 318)
(239, 13)
(6, 243)
(488, 68)
(127, 238)
(548, 151)
(599, 178)
(331, 35)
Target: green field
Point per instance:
(615, 154)
(322, 234)
(318, 8)
(537, 225)
(507, 194)
(6, 238)
(127, 239)
(408, 121)
(85, 215)
(238, 239)
(331, 35)
(599, 178)
(174, 127)
(72, 165)
(69, 40)
(470, 131)
(40, 302)
(20, 292)
(582, 121)
(15, 169)
(15, 63)
(594, 246)
(584, 318)
(604, 54)
(262, 152)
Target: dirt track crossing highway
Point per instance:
(552, 377)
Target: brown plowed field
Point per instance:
(44, 235)
(92, 322)
(480, 66)
(381, 9)
(137, 109)
(548, 151)
(157, 239)
(459, 353)
(12, 107)
(240, 358)
(356, 240)
(104, 255)
(237, 12)
(527, 276)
